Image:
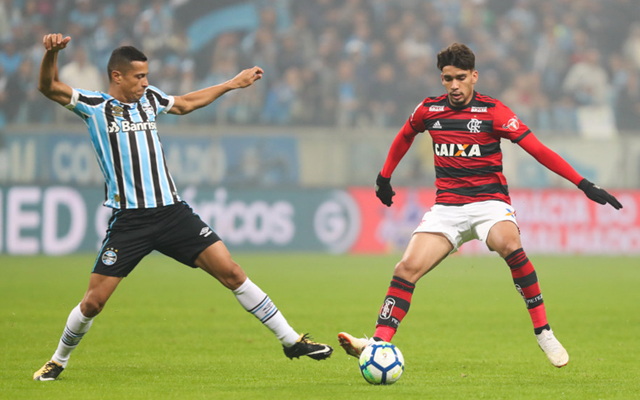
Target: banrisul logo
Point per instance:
(456, 150)
(337, 222)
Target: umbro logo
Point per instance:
(437, 125)
(206, 231)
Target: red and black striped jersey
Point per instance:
(466, 146)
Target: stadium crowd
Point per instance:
(560, 64)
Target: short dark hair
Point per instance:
(458, 55)
(122, 57)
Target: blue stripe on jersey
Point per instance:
(128, 148)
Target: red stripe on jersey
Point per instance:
(464, 138)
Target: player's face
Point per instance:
(459, 84)
(134, 81)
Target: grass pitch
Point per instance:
(173, 333)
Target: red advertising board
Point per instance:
(552, 221)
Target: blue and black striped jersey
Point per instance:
(128, 147)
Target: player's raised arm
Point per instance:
(557, 164)
(49, 84)
(203, 97)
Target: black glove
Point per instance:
(384, 190)
(598, 195)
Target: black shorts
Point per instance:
(174, 230)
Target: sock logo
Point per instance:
(519, 289)
(387, 307)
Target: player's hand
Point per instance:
(384, 191)
(598, 195)
(55, 41)
(247, 77)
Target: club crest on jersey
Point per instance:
(147, 108)
(110, 256)
(513, 124)
(456, 150)
(474, 125)
(436, 108)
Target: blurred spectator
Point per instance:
(80, 73)
(351, 62)
(10, 59)
(84, 15)
(587, 80)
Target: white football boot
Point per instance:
(552, 348)
(353, 345)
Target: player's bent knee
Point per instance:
(233, 278)
(90, 307)
(407, 270)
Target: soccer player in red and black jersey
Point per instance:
(472, 199)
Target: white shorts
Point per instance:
(461, 224)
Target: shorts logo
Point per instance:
(387, 307)
(436, 108)
(109, 257)
(206, 231)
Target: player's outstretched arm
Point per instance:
(598, 194)
(48, 83)
(557, 164)
(399, 148)
(201, 98)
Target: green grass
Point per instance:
(173, 333)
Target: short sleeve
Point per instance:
(85, 103)
(163, 102)
(507, 125)
(416, 120)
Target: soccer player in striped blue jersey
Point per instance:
(148, 213)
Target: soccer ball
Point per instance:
(381, 363)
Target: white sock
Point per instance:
(254, 300)
(77, 326)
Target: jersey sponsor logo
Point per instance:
(110, 256)
(474, 125)
(436, 125)
(436, 108)
(513, 124)
(456, 150)
(479, 109)
(510, 213)
(387, 307)
(113, 127)
(138, 126)
(206, 231)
